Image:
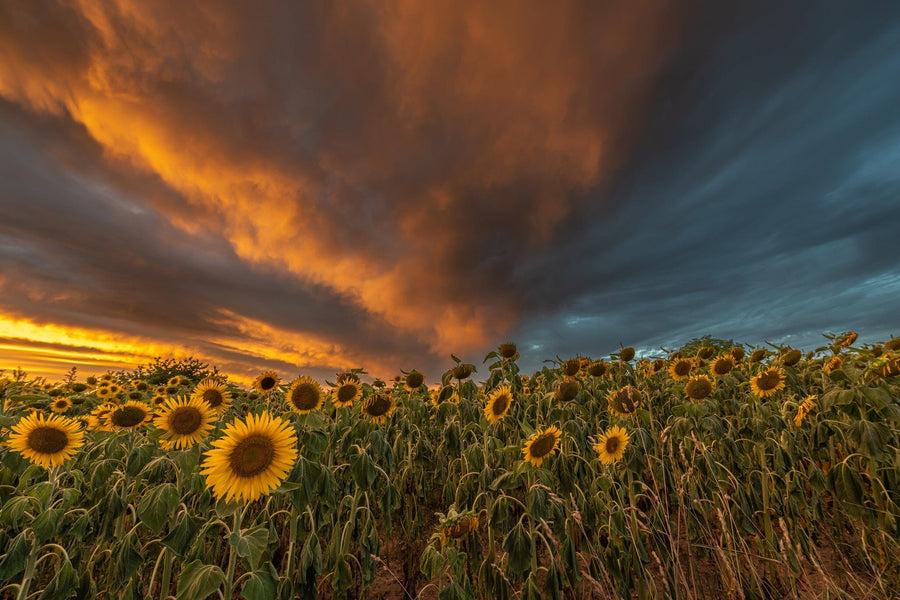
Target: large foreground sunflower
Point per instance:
(541, 445)
(305, 395)
(611, 445)
(768, 382)
(251, 459)
(184, 421)
(130, 415)
(214, 393)
(498, 404)
(46, 441)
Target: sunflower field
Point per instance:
(713, 471)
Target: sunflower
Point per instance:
(60, 405)
(378, 407)
(892, 344)
(737, 353)
(698, 387)
(571, 367)
(597, 369)
(706, 352)
(414, 380)
(508, 350)
(463, 371)
(681, 368)
(657, 365)
(768, 382)
(140, 385)
(758, 355)
(305, 395)
(566, 390)
(612, 444)
(791, 357)
(722, 366)
(99, 417)
(129, 415)
(458, 528)
(624, 401)
(184, 421)
(158, 399)
(103, 392)
(353, 377)
(266, 382)
(213, 392)
(46, 441)
(251, 459)
(498, 404)
(175, 381)
(346, 394)
(541, 445)
(804, 409)
(834, 364)
(849, 339)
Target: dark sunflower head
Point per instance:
(757, 355)
(567, 390)
(507, 350)
(791, 357)
(737, 353)
(706, 352)
(698, 388)
(626, 354)
(414, 380)
(463, 371)
(571, 367)
(597, 369)
(624, 401)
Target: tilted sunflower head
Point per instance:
(498, 404)
(266, 382)
(848, 339)
(625, 400)
(834, 364)
(612, 444)
(892, 344)
(768, 382)
(414, 380)
(706, 352)
(459, 527)
(507, 350)
(657, 365)
(346, 394)
(215, 393)
(597, 369)
(350, 377)
(681, 368)
(541, 445)
(129, 415)
(722, 366)
(758, 355)
(571, 367)
(791, 357)
(566, 390)
(626, 354)
(737, 353)
(698, 387)
(463, 371)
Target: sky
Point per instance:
(312, 187)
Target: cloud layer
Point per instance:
(321, 187)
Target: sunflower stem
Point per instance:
(30, 562)
(232, 552)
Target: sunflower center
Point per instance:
(682, 367)
(378, 405)
(213, 397)
(128, 416)
(612, 444)
(500, 404)
(305, 397)
(543, 445)
(47, 440)
(267, 383)
(414, 380)
(567, 390)
(252, 455)
(61, 403)
(346, 393)
(185, 420)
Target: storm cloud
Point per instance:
(317, 187)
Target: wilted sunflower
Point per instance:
(834, 364)
(597, 369)
(378, 407)
(768, 382)
(791, 357)
(305, 395)
(266, 382)
(346, 394)
(414, 380)
(184, 421)
(757, 355)
(804, 409)
(626, 354)
(698, 387)
(45, 441)
(60, 405)
(498, 404)
(624, 401)
(508, 350)
(458, 528)
(657, 365)
(463, 371)
(541, 445)
(251, 459)
(892, 344)
(566, 390)
(349, 377)
(611, 445)
(681, 368)
(130, 415)
(737, 353)
(722, 366)
(849, 339)
(571, 367)
(706, 352)
(213, 392)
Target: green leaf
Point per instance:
(261, 585)
(519, 547)
(198, 581)
(156, 506)
(14, 510)
(343, 577)
(310, 557)
(63, 583)
(13, 562)
(128, 557)
(46, 524)
(251, 543)
(182, 535)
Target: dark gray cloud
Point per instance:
(387, 184)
